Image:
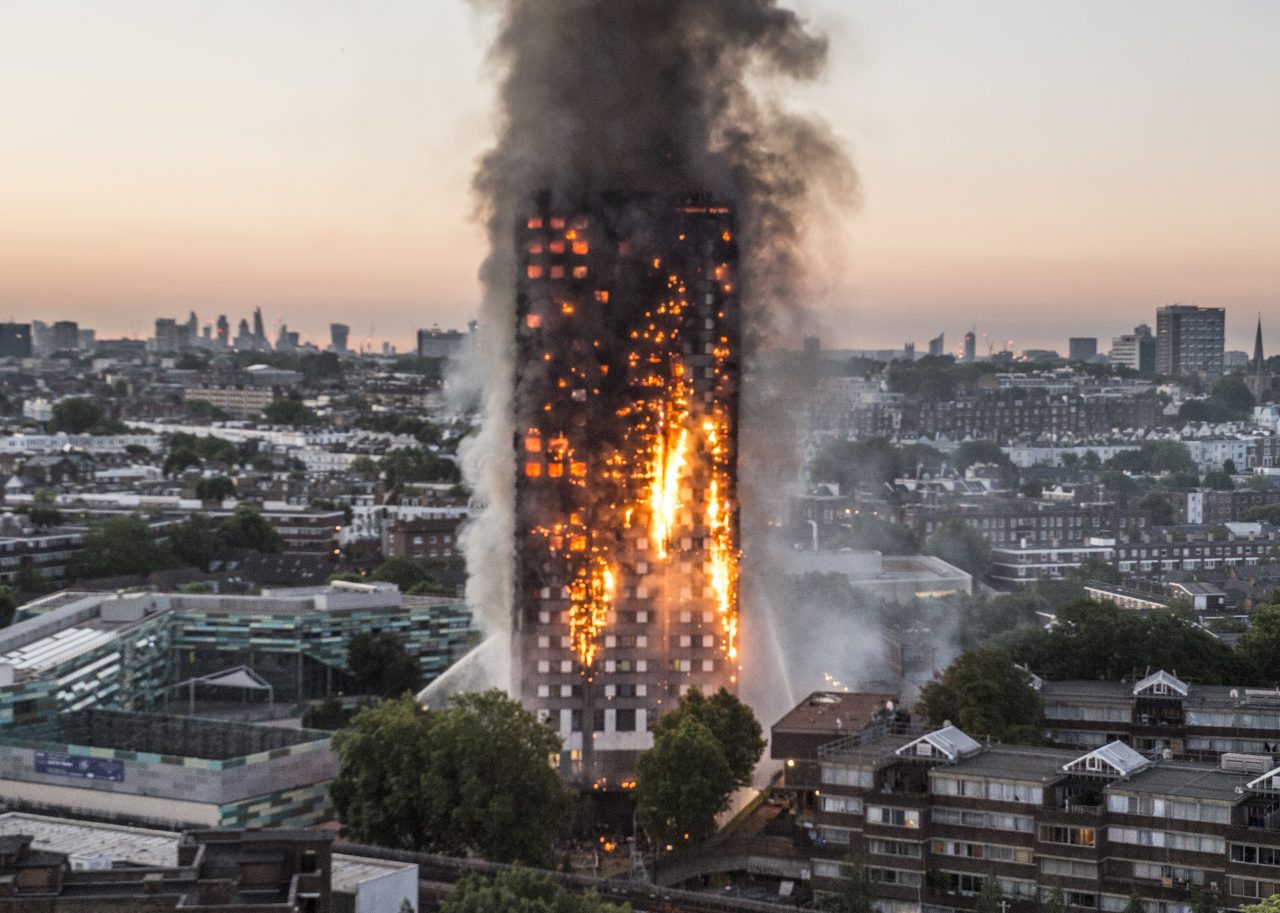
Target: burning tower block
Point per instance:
(627, 499)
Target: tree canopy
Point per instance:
(1260, 645)
(472, 778)
(519, 890)
(247, 528)
(729, 720)
(379, 664)
(684, 782)
(289, 412)
(81, 415)
(957, 543)
(119, 546)
(1097, 641)
(985, 694)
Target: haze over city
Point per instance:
(1037, 171)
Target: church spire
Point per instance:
(1258, 360)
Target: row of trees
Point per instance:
(122, 546)
(986, 691)
(474, 778)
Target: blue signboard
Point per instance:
(75, 765)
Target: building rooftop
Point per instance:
(1009, 762)
(1180, 780)
(831, 711)
(176, 736)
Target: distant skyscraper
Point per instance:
(15, 340)
(970, 346)
(909, 351)
(339, 333)
(66, 336)
(222, 334)
(168, 340)
(1189, 340)
(259, 332)
(244, 339)
(937, 345)
(1082, 348)
(41, 338)
(1257, 377)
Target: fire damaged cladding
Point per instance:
(627, 514)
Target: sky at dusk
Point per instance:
(1035, 170)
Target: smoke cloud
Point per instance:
(644, 96)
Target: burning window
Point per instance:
(602, 296)
(579, 272)
(555, 470)
(581, 248)
(535, 247)
(557, 272)
(532, 321)
(533, 470)
(534, 272)
(556, 247)
(534, 223)
(557, 224)
(533, 442)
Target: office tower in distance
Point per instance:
(626, 494)
(15, 340)
(1189, 340)
(1082, 348)
(66, 336)
(970, 346)
(222, 332)
(339, 333)
(167, 339)
(938, 344)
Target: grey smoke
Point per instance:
(650, 96)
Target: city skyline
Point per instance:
(327, 173)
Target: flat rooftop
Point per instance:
(1186, 781)
(1010, 762)
(178, 736)
(154, 848)
(833, 711)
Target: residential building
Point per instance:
(937, 345)
(234, 871)
(935, 814)
(339, 333)
(241, 401)
(424, 539)
(438, 343)
(1189, 340)
(66, 336)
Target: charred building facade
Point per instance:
(626, 496)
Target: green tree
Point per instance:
(193, 542)
(403, 572)
(180, 458)
(289, 412)
(956, 542)
(971, 453)
(44, 510)
(117, 547)
(365, 466)
(1219, 481)
(1169, 456)
(854, 893)
(989, 897)
(247, 528)
(868, 463)
(470, 779)
(1268, 905)
(215, 488)
(684, 782)
(1159, 507)
(519, 890)
(1056, 902)
(985, 694)
(1135, 904)
(417, 464)
(1090, 462)
(731, 722)
(379, 664)
(1260, 645)
(1205, 902)
(76, 415)
(8, 606)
